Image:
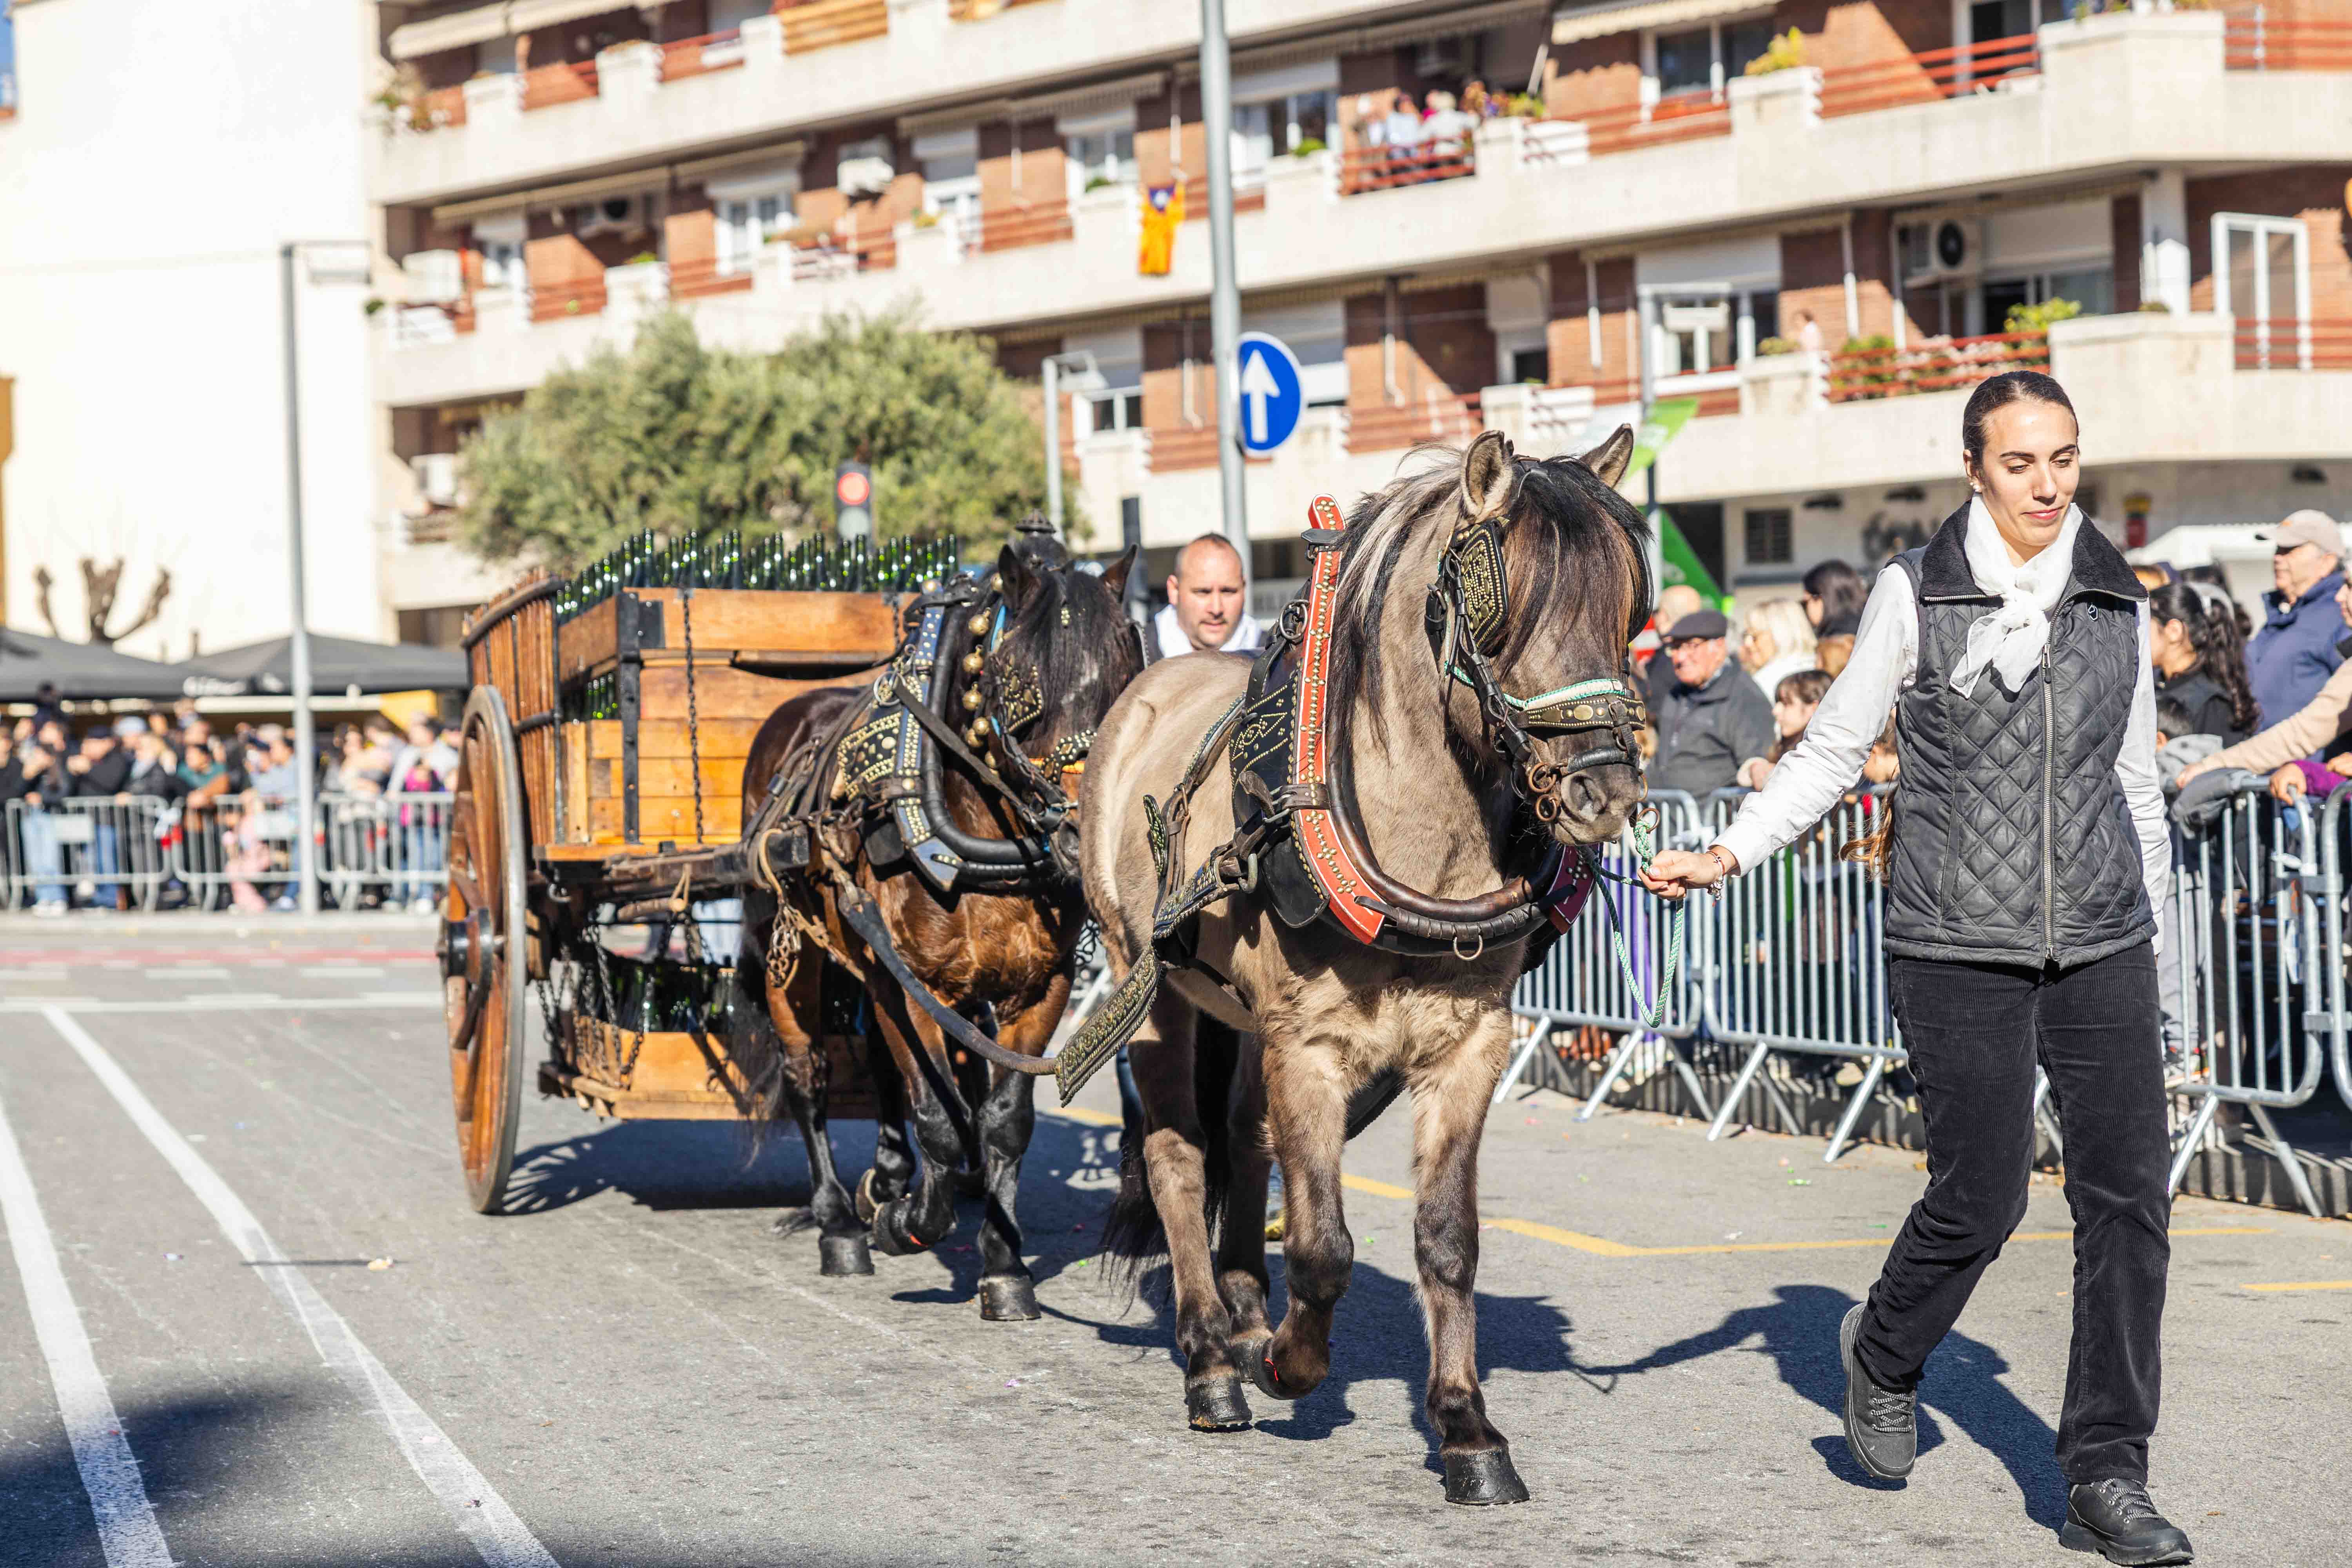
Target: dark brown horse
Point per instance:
(1414, 765)
(1000, 953)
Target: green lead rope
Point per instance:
(1645, 850)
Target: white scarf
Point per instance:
(2009, 639)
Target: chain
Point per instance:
(693, 717)
(612, 1007)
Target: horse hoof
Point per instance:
(1262, 1373)
(867, 1204)
(840, 1255)
(1216, 1404)
(1483, 1478)
(889, 1233)
(1008, 1299)
(792, 1222)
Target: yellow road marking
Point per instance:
(2303, 1285)
(1601, 1247)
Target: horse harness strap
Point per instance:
(1298, 848)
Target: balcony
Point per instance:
(2165, 93)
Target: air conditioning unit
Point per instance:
(434, 276)
(608, 215)
(865, 167)
(1947, 248)
(436, 478)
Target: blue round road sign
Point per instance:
(1273, 389)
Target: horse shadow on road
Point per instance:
(1799, 1330)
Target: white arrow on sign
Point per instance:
(1258, 389)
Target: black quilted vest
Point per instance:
(2012, 842)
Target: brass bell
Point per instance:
(971, 698)
(977, 626)
(977, 736)
(972, 662)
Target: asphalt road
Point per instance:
(216, 1132)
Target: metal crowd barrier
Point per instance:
(2258, 918)
(112, 843)
(397, 845)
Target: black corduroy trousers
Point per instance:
(1974, 1032)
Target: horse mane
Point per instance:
(1586, 529)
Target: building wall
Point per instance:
(1442, 346)
(1569, 337)
(2315, 193)
(144, 194)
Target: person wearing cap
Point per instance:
(2294, 652)
(1713, 717)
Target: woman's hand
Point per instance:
(2288, 784)
(1754, 771)
(1676, 871)
(2195, 770)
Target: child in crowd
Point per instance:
(1793, 701)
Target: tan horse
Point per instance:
(1439, 811)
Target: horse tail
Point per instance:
(1134, 1238)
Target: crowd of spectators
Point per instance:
(203, 809)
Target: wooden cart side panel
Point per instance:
(823, 631)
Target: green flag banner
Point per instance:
(1665, 420)
(1678, 562)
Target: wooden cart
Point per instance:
(602, 759)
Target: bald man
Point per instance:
(1208, 603)
(1675, 601)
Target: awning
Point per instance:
(1599, 21)
(82, 672)
(337, 665)
(464, 29)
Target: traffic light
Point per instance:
(852, 501)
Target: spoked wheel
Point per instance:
(484, 963)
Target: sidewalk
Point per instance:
(219, 923)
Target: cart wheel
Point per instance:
(482, 947)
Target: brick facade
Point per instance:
(1569, 335)
(2317, 194)
(1443, 346)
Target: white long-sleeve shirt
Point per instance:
(1826, 762)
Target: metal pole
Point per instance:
(1224, 291)
(1053, 443)
(306, 783)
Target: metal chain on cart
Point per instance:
(603, 964)
(693, 717)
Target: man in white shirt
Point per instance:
(1207, 603)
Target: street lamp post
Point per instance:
(306, 779)
(1087, 378)
(1224, 287)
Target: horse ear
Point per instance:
(1016, 578)
(1609, 459)
(1488, 476)
(1115, 574)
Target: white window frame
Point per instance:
(1717, 71)
(2262, 308)
(1107, 125)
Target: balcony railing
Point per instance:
(1636, 125)
(1039, 223)
(1365, 169)
(2288, 342)
(698, 57)
(980, 10)
(1935, 365)
(2253, 41)
(543, 87)
(1183, 447)
(1927, 77)
(1436, 416)
(1247, 198)
(825, 22)
(695, 279)
(580, 296)
(843, 255)
(441, 107)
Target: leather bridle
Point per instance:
(1467, 614)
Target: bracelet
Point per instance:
(1724, 871)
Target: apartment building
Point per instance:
(1823, 255)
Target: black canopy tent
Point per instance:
(338, 665)
(82, 672)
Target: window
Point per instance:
(1768, 538)
(1532, 366)
(747, 222)
(2093, 288)
(2261, 274)
(499, 238)
(1100, 158)
(1992, 19)
(1279, 127)
(1701, 59)
(1711, 330)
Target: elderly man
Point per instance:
(1657, 678)
(2294, 652)
(1713, 717)
(1207, 610)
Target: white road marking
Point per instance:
(229, 1002)
(127, 1531)
(188, 971)
(341, 972)
(475, 1507)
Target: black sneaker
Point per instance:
(1882, 1425)
(2114, 1518)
